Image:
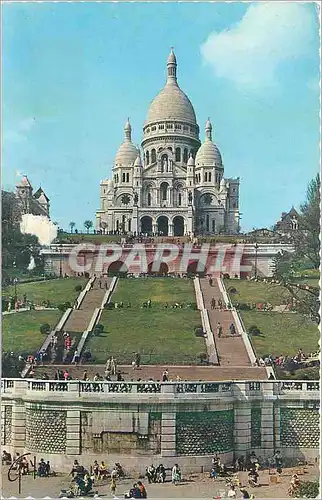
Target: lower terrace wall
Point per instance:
(136, 424)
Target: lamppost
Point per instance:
(18, 473)
(256, 246)
(60, 261)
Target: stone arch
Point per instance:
(117, 268)
(178, 225)
(146, 224)
(163, 225)
(164, 186)
(161, 268)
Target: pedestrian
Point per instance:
(113, 366)
(165, 377)
(100, 284)
(113, 486)
(106, 285)
(219, 329)
(210, 281)
(213, 303)
(232, 329)
(220, 304)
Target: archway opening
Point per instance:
(161, 268)
(117, 268)
(146, 225)
(164, 191)
(163, 226)
(178, 226)
(193, 268)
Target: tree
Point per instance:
(72, 225)
(305, 255)
(125, 200)
(88, 224)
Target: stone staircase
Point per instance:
(79, 319)
(231, 349)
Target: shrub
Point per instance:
(109, 305)
(232, 290)
(243, 307)
(254, 330)
(307, 489)
(199, 332)
(98, 329)
(226, 276)
(78, 288)
(203, 356)
(44, 328)
(64, 306)
(193, 305)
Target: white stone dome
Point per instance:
(171, 104)
(208, 154)
(127, 152)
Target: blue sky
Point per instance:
(73, 73)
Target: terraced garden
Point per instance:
(159, 334)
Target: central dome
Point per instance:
(171, 103)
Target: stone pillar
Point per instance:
(170, 230)
(242, 429)
(277, 427)
(168, 435)
(18, 426)
(73, 432)
(267, 428)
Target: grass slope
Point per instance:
(160, 335)
(20, 331)
(282, 333)
(56, 291)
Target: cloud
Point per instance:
(250, 52)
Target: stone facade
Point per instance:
(183, 422)
(178, 186)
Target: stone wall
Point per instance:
(46, 430)
(256, 424)
(204, 433)
(106, 437)
(299, 428)
(6, 424)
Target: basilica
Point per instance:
(174, 185)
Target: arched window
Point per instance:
(127, 177)
(185, 155)
(205, 178)
(123, 177)
(209, 176)
(149, 199)
(207, 222)
(179, 199)
(153, 156)
(147, 157)
(164, 190)
(178, 154)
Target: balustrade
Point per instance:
(150, 387)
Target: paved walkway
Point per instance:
(194, 373)
(231, 349)
(79, 319)
(192, 486)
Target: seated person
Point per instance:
(253, 477)
(102, 470)
(77, 470)
(213, 473)
(24, 466)
(161, 473)
(42, 469)
(134, 492)
(96, 469)
(6, 458)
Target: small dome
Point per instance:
(208, 155)
(191, 161)
(127, 152)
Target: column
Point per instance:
(267, 428)
(168, 435)
(73, 432)
(277, 427)
(170, 230)
(18, 426)
(242, 429)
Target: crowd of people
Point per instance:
(289, 363)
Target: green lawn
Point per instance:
(160, 335)
(20, 331)
(282, 333)
(56, 291)
(255, 292)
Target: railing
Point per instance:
(260, 388)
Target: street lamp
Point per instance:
(60, 261)
(256, 250)
(17, 474)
